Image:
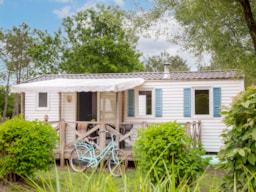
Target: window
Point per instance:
(202, 105)
(145, 102)
(42, 100)
(202, 102)
(107, 106)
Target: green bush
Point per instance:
(239, 152)
(26, 146)
(165, 149)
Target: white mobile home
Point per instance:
(134, 98)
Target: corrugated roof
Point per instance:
(174, 75)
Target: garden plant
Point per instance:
(238, 155)
(26, 146)
(165, 149)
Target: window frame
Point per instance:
(152, 103)
(37, 102)
(193, 102)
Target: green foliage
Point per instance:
(18, 65)
(99, 43)
(165, 149)
(13, 53)
(156, 63)
(26, 146)
(93, 41)
(239, 152)
(46, 52)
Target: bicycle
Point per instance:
(83, 156)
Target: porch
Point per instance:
(95, 132)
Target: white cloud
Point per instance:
(119, 2)
(160, 33)
(88, 5)
(63, 12)
(150, 47)
(92, 3)
(61, 1)
(1, 2)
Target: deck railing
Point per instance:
(96, 132)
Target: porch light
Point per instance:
(69, 98)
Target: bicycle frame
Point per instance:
(93, 159)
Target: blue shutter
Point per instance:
(158, 102)
(216, 101)
(187, 102)
(131, 103)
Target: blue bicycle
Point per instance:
(83, 155)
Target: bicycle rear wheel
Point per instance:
(117, 163)
(76, 164)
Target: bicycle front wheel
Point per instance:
(76, 163)
(117, 163)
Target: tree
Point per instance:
(13, 52)
(99, 43)
(156, 63)
(46, 52)
(6, 110)
(94, 41)
(226, 29)
(6, 99)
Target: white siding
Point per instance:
(212, 127)
(68, 110)
(33, 112)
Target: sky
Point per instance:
(48, 15)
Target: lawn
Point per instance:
(132, 180)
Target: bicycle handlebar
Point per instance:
(111, 132)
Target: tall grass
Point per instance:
(102, 181)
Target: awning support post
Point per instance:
(60, 106)
(118, 104)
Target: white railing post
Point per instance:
(102, 142)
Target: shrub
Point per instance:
(165, 149)
(239, 151)
(26, 146)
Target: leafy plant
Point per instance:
(167, 148)
(26, 146)
(239, 152)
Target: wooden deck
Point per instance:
(123, 138)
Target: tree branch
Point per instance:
(249, 20)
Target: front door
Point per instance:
(87, 105)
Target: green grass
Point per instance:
(67, 180)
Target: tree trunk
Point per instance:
(16, 102)
(249, 20)
(16, 105)
(6, 97)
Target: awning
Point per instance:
(78, 85)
